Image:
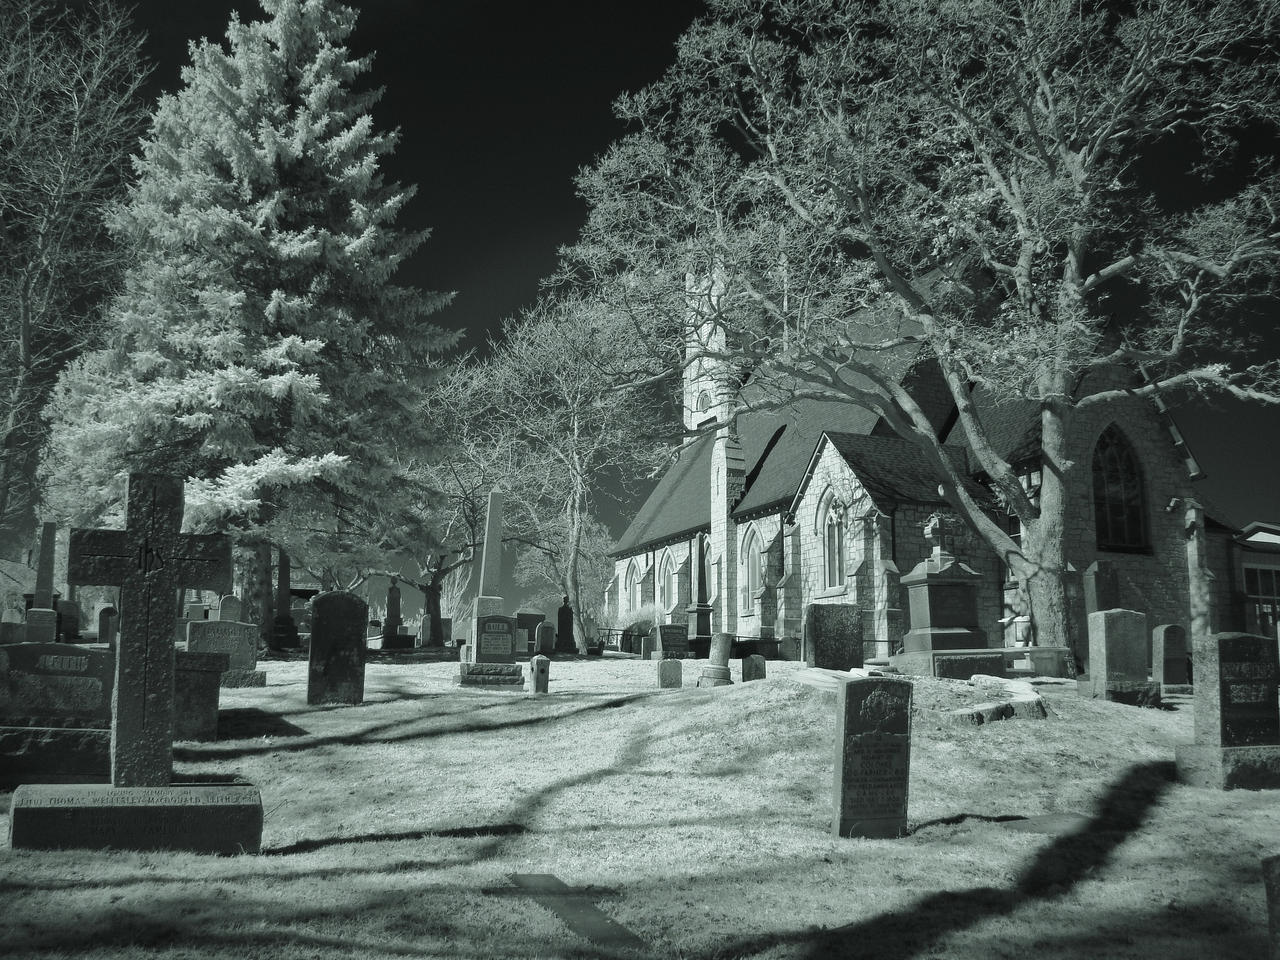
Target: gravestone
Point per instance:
(69, 620)
(753, 667)
(546, 642)
(42, 616)
(491, 655)
(392, 636)
(196, 680)
(942, 595)
(673, 641)
(147, 560)
(489, 599)
(527, 623)
(670, 674)
(108, 622)
(832, 636)
(337, 656)
(284, 632)
(648, 643)
(1118, 659)
(230, 608)
(715, 673)
(1237, 714)
(1101, 587)
(224, 819)
(239, 641)
(539, 674)
(11, 632)
(872, 757)
(1169, 654)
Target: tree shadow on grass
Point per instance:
(915, 931)
(246, 723)
(383, 733)
(307, 846)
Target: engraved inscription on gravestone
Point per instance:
(1250, 684)
(873, 757)
(495, 639)
(56, 680)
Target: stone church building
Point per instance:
(821, 502)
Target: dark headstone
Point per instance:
(753, 667)
(873, 757)
(495, 638)
(673, 641)
(69, 618)
(649, 643)
(149, 560)
(833, 635)
(1169, 654)
(198, 818)
(56, 684)
(108, 623)
(197, 679)
(337, 656)
(392, 637)
(670, 674)
(1237, 714)
(230, 608)
(546, 638)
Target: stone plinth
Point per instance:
(942, 594)
(499, 675)
(1237, 715)
(196, 818)
(872, 758)
(951, 664)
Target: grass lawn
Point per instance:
(698, 819)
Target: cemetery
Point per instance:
(807, 559)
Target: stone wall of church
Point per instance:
(757, 616)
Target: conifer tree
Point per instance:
(263, 348)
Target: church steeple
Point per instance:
(707, 392)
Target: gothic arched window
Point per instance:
(1119, 501)
(831, 529)
(704, 402)
(752, 569)
(666, 581)
(633, 586)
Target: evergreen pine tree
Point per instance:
(262, 345)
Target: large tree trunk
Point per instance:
(1043, 540)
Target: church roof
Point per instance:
(892, 470)
(679, 505)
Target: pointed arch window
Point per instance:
(633, 587)
(1119, 495)
(752, 569)
(666, 581)
(831, 529)
(704, 402)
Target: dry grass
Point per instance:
(702, 815)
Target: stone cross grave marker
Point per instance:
(1237, 714)
(873, 757)
(337, 657)
(149, 559)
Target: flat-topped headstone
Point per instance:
(649, 643)
(833, 636)
(54, 683)
(872, 757)
(195, 611)
(670, 674)
(673, 641)
(337, 656)
(1118, 659)
(41, 625)
(753, 667)
(211, 819)
(197, 679)
(149, 560)
(239, 641)
(1237, 714)
(1169, 654)
(108, 622)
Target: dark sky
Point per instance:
(499, 104)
